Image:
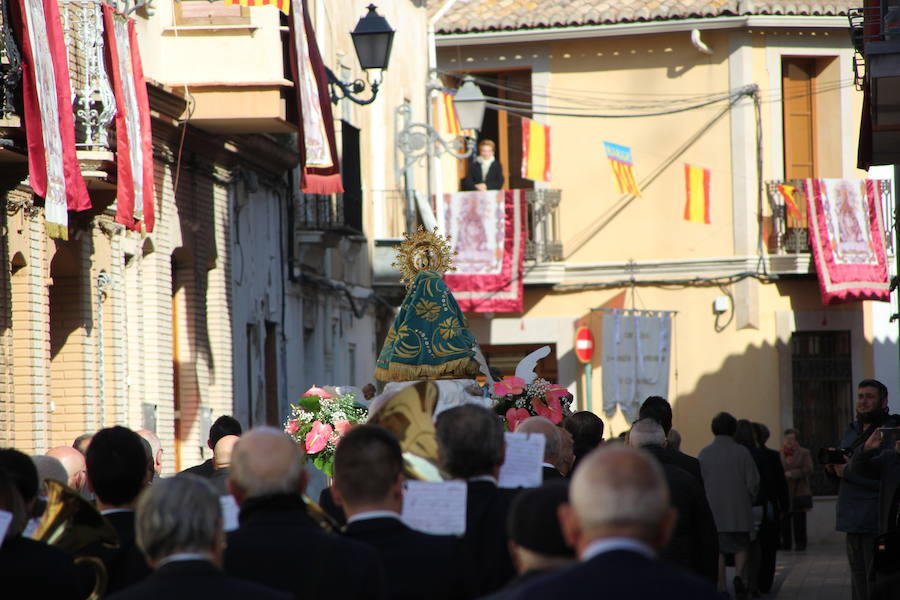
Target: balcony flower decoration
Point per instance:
(515, 401)
(319, 420)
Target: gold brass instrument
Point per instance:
(318, 514)
(72, 523)
(409, 414)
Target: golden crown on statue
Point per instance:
(423, 250)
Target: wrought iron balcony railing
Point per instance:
(94, 104)
(10, 64)
(543, 243)
(789, 232)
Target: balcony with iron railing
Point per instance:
(543, 244)
(786, 228)
(12, 139)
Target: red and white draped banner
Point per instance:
(134, 140)
(846, 234)
(54, 172)
(487, 230)
(320, 171)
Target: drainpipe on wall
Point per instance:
(698, 43)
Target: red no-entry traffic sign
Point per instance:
(584, 344)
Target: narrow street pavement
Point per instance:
(819, 573)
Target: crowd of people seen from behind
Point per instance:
(632, 516)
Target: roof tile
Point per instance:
(501, 15)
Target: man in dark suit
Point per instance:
(179, 529)
(694, 544)
(586, 429)
(659, 409)
(618, 516)
(777, 504)
(471, 448)
(224, 425)
(221, 461)
(552, 446)
(535, 538)
(485, 172)
(117, 472)
(277, 543)
(368, 482)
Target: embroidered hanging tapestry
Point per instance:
(53, 170)
(487, 230)
(134, 140)
(846, 231)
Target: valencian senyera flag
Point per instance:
(623, 168)
(54, 172)
(696, 187)
(446, 122)
(282, 5)
(320, 171)
(535, 150)
(134, 140)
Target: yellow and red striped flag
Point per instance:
(282, 5)
(623, 168)
(445, 120)
(535, 150)
(696, 185)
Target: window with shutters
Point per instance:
(201, 13)
(799, 106)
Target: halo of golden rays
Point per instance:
(423, 250)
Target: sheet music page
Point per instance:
(435, 507)
(230, 511)
(524, 457)
(5, 520)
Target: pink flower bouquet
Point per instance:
(318, 421)
(515, 400)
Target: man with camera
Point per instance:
(857, 505)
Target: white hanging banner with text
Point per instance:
(636, 350)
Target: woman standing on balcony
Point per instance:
(485, 171)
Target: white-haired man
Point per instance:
(617, 517)
(277, 543)
(185, 545)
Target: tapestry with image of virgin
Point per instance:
(846, 231)
(487, 232)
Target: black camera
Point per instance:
(833, 456)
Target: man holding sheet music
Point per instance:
(368, 482)
(471, 448)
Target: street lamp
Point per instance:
(372, 39)
(417, 141)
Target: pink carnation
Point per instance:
(514, 416)
(509, 386)
(292, 427)
(317, 438)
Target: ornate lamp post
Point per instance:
(372, 39)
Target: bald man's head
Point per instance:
(155, 448)
(618, 491)
(266, 461)
(546, 428)
(223, 450)
(73, 462)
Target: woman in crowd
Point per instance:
(797, 469)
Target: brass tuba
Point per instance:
(409, 414)
(72, 523)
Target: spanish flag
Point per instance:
(535, 151)
(696, 185)
(282, 5)
(446, 122)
